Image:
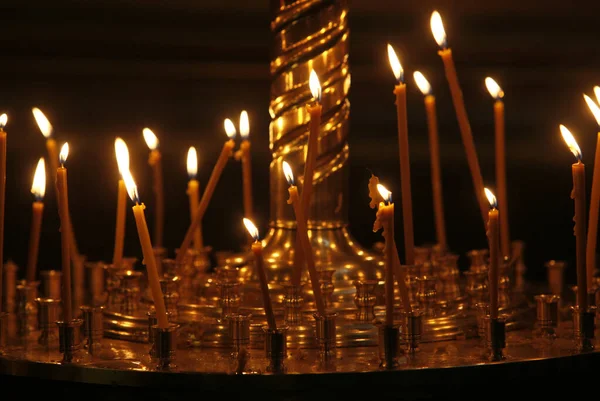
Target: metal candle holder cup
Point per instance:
(239, 332)
(51, 283)
(93, 327)
(496, 337)
(69, 338)
(547, 313)
(365, 299)
(413, 329)
(48, 315)
(153, 321)
(276, 348)
(168, 287)
(483, 311)
(389, 345)
(165, 345)
(229, 300)
(26, 307)
(94, 273)
(326, 285)
(583, 328)
(129, 288)
(293, 302)
(326, 334)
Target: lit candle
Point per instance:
(38, 189)
(246, 163)
(494, 244)
(437, 27)
(193, 192)
(497, 93)
(149, 259)
(434, 150)
(312, 150)
(122, 154)
(3, 121)
(208, 191)
(592, 233)
(302, 236)
(65, 226)
(407, 215)
(155, 161)
(385, 220)
(578, 196)
(259, 263)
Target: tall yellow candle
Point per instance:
(155, 161)
(385, 220)
(592, 233)
(122, 154)
(578, 195)
(63, 207)
(434, 150)
(148, 252)
(302, 235)
(494, 244)
(246, 164)
(312, 149)
(209, 190)
(3, 121)
(437, 27)
(38, 189)
(259, 263)
(407, 215)
(193, 192)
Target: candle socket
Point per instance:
(51, 283)
(48, 315)
(239, 332)
(412, 328)
(583, 328)
(326, 285)
(495, 337)
(9, 295)
(326, 334)
(186, 272)
(449, 276)
(3, 331)
(168, 288)
(276, 348)
(229, 299)
(547, 314)
(477, 286)
(113, 284)
(422, 255)
(129, 288)
(94, 279)
(483, 311)
(165, 346)
(153, 321)
(478, 259)
(69, 338)
(555, 273)
(412, 272)
(93, 328)
(27, 308)
(293, 302)
(365, 300)
(389, 345)
(427, 294)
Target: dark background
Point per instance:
(101, 69)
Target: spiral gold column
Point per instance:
(313, 34)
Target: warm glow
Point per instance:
(395, 63)
(494, 89)
(150, 138)
(385, 194)
(192, 162)
(3, 120)
(122, 154)
(251, 228)
(64, 153)
(287, 171)
(38, 188)
(437, 28)
(42, 122)
(571, 142)
(597, 93)
(131, 187)
(422, 83)
(244, 125)
(315, 85)
(230, 128)
(593, 108)
(491, 198)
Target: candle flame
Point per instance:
(597, 93)
(38, 187)
(251, 228)
(571, 142)
(287, 171)
(192, 162)
(395, 63)
(150, 138)
(230, 128)
(64, 153)
(491, 198)
(42, 122)
(385, 194)
(494, 89)
(131, 187)
(593, 108)
(244, 125)
(437, 28)
(3, 120)
(122, 154)
(315, 85)
(422, 83)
